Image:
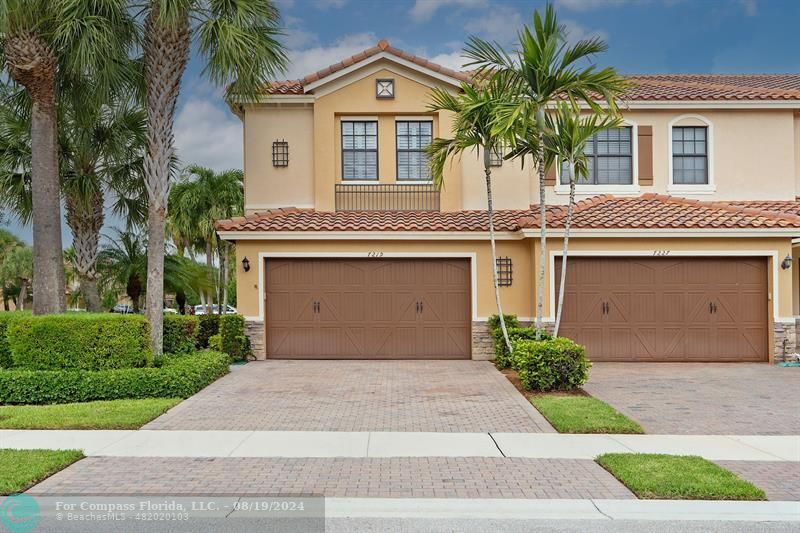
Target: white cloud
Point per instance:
(303, 62)
(207, 134)
(499, 24)
(575, 32)
(453, 60)
(424, 10)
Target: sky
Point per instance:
(644, 36)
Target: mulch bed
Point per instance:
(513, 377)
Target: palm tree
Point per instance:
(101, 148)
(544, 69)
(43, 44)
(197, 200)
(474, 115)
(237, 40)
(569, 133)
(17, 267)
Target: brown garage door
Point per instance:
(667, 309)
(368, 309)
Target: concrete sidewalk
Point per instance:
(161, 443)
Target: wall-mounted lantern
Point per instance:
(505, 274)
(246, 264)
(280, 153)
(786, 264)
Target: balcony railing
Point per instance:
(386, 197)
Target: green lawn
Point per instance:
(114, 414)
(21, 469)
(583, 414)
(678, 477)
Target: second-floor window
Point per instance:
(690, 155)
(610, 155)
(412, 138)
(359, 150)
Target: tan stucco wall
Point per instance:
(753, 154)
(267, 186)
(357, 97)
(511, 183)
(797, 153)
(517, 299)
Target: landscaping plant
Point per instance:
(180, 334)
(552, 364)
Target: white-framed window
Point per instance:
(413, 136)
(691, 155)
(617, 170)
(359, 150)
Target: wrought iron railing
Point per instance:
(386, 197)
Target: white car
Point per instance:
(201, 309)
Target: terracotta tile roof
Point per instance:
(309, 220)
(296, 86)
(791, 207)
(649, 211)
(647, 87)
(653, 211)
(714, 87)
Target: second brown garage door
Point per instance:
(667, 309)
(368, 308)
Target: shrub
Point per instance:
(494, 322)
(501, 356)
(553, 364)
(178, 377)
(209, 326)
(233, 339)
(180, 334)
(215, 342)
(5, 350)
(80, 341)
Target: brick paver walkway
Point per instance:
(699, 398)
(439, 396)
(779, 479)
(419, 477)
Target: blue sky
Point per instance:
(644, 36)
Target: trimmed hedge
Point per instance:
(502, 358)
(494, 322)
(234, 341)
(209, 326)
(178, 377)
(80, 341)
(180, 334)
(554, 364)
(5, 350)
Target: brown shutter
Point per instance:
(645, 138)
(550, 175)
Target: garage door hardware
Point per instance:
(420, 307)
(712, 307)
(316, 307)
(605, 308)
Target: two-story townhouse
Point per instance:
(682, 246)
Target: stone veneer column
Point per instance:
(483, 343)
(254, 329)
(785, 335)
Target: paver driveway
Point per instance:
(699, 398)
(439, 396)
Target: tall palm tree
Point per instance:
(43, 43)
(101, 146)
(473, 112)
(17, 267)
(569, 132)
(545, 68)
(237, 39)
(197, 200)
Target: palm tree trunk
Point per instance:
(209, 278)
(542, 231)
(32, 63)
(166, 51)
(565, 251)
(487, 169)
(225, 278)
(85, 218)
(23, 291)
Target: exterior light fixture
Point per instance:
(504, 272)
(786, 264)
(246, 264)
